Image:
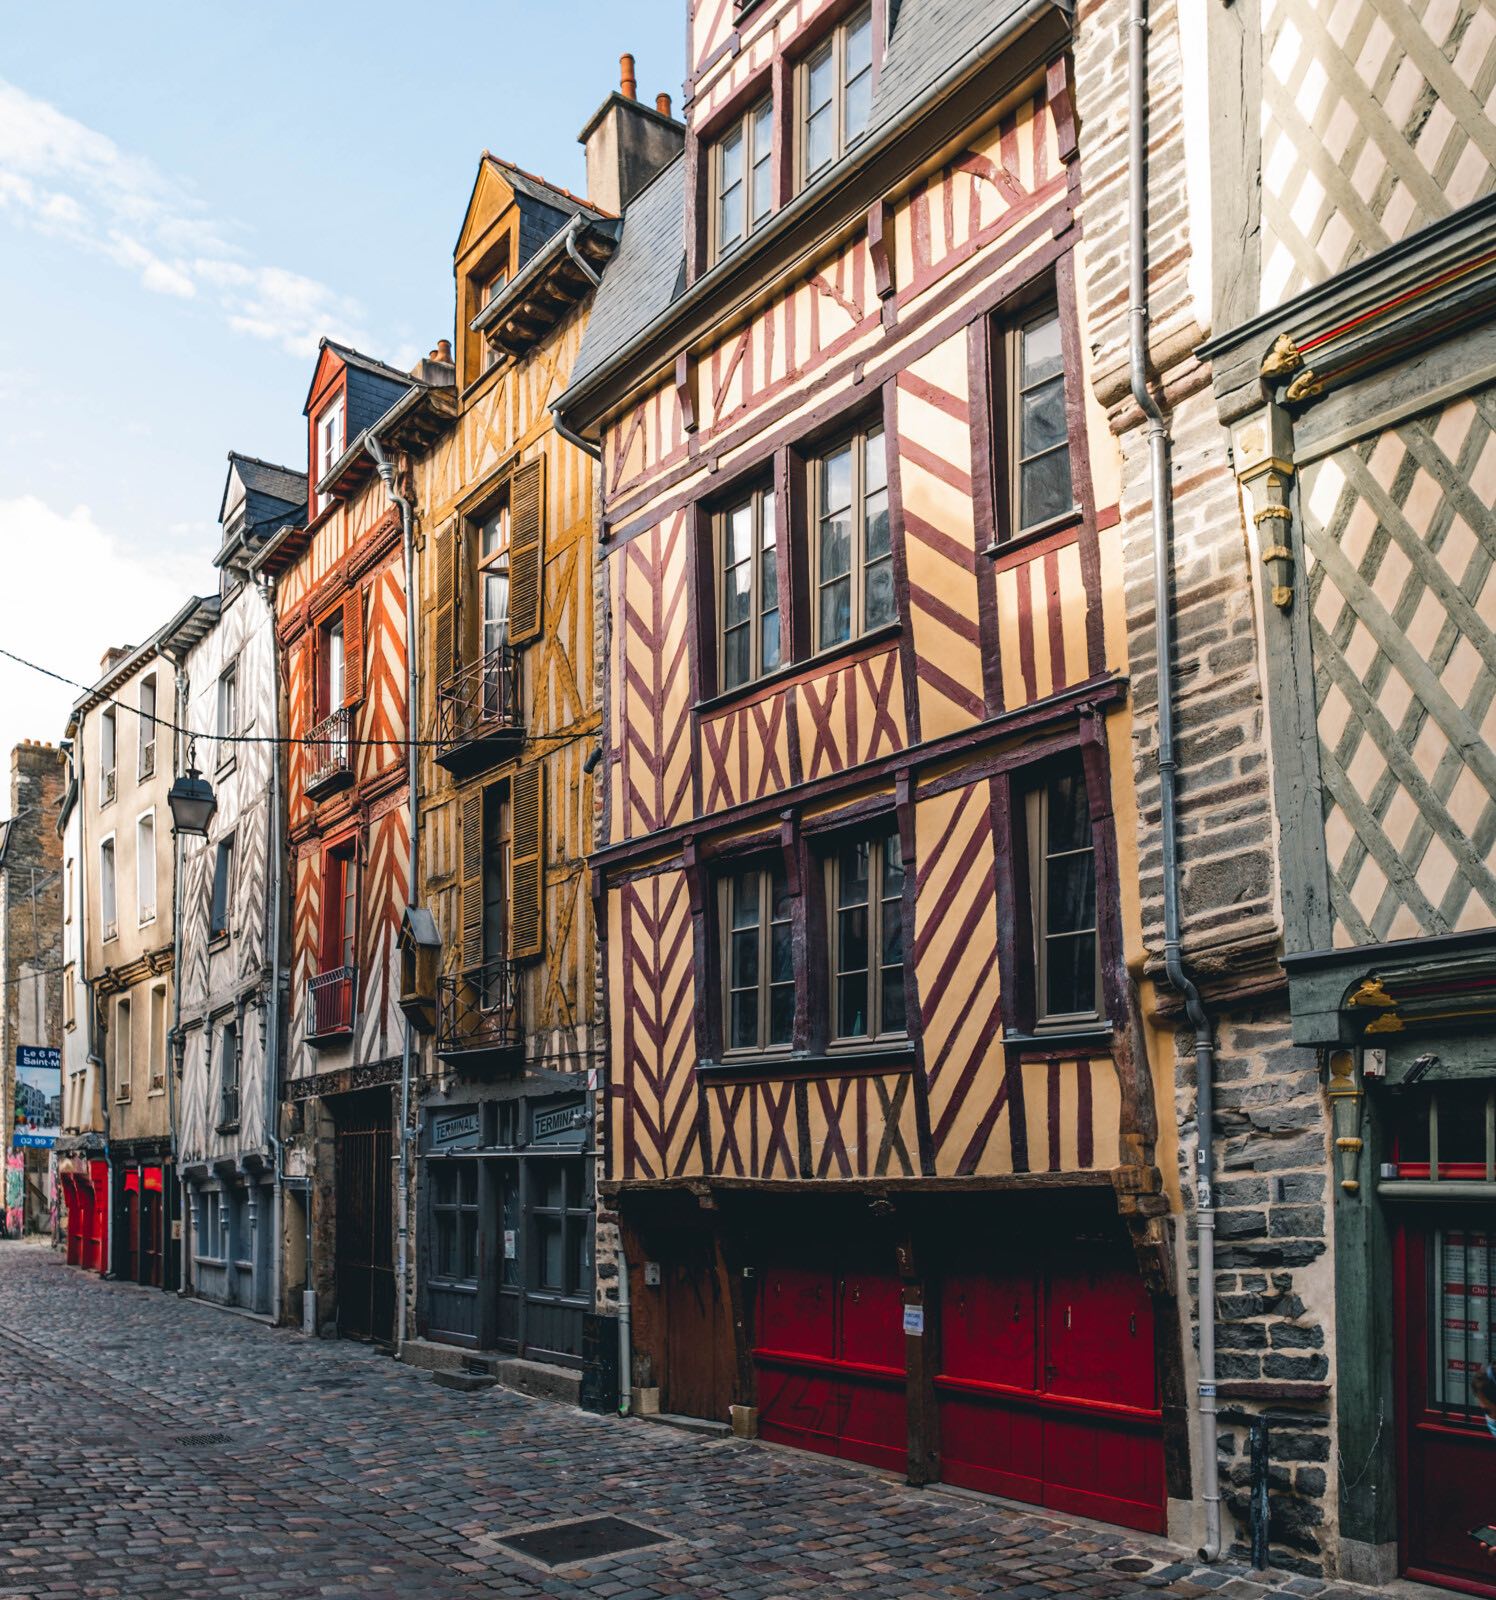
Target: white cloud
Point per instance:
(60, 177)
(72, 590)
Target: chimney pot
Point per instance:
(662, 104)
(443, 350)
(628, 84)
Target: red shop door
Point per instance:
(96, 1256)
(1444, 1275)
(1047, 1390)
(830, 1362)
(151, 1226)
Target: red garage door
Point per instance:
(830, 1359)
(1047, 1390)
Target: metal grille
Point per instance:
(479, 1010)
(479, 701)
(329, 1002)
(329, 750)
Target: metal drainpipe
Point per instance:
(272, 1061)
(625, 1333)
(412, 718)
(573, 232)
(1158, 476)
(176, 992)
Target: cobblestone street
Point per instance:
(183, 1450)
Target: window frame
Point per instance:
(461, 1214)
(108, 889)
(124, 1081)
(228, 1072)
(1035, 805)
(757, 498)
(158, 1040)
(567, 1219)
(495, 564)
(1006, 327)
(755, 124)
(766, 868)
(108, 754)
(834, 42)
(145, 754)
(145, 823)
(226, 716)
(336, 407)
(339, 937)
(815, 457)
(221, 904)
(876, 836)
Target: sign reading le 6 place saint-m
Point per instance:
(37, 1117)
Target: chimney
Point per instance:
(112, 658)
(436, 369)
(628, 142)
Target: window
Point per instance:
(853, 542)
(108, 746)
(145, 867)
(228, 1075)
(759, 959)
(489, 289)
(836, 89)
(70, 886)
(228, 712)
(108, 908)
(146, 761)
(1038, 434)
(560, 1220)
(493, 578)
(747, 559)
(329, 446)
(209, 1229)
(123, 1048)
(454, 1208)
(339, 908)
(742, 178)
(1062, 879)
(335, 659)
(158, 1039)
(496, 866)
(866, 894)
(70, 996)
(221, 906)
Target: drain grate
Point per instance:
(564, 1544)
(1133, 1564)
(199, 1441)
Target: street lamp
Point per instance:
(191, 799)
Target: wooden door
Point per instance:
(151, 1238)
(364, 1242)
(698, 1349)
(130, 1240)
(1443, 1278)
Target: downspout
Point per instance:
(1158, 480)
(412, 715)
(272, 1062)
(594, 277)
(625, 1333)
(174, 1065)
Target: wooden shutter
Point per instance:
(353, 647)
(526, 551)
(446, 604)
(527, 870)
(472, 880)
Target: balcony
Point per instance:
(477, 1018)
(329, 755)
(478, 714)
(329, 1006)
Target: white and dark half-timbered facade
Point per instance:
(508, 1258)
(228, 1030)
(341, 625)
(1353, 360)
(879, 1079)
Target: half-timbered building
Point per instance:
(507, 583)
(339, 578)
(890, 1155)
(229, 943)
(1351, 354)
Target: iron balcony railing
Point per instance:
(329, 1003)
(329, 751)
(478, 1011)
(479, 702)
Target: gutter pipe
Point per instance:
(412, 716)
(174, 1065)
(1159, 494)
(272, 1062)
(573, 233)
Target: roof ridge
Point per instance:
(555, 188)
(260, 461)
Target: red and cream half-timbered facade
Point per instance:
(883, 1131)
(341, 626)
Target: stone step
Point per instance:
(464, 1382)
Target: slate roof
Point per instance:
(356, 358)
(265, 477)
(929, 39)
(539, 189)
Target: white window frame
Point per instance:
(144, 913)
(159, 1035)
(123, 1061)
(227, 718)
(108, 889)
(334, 412)
(145, 758)
(108, 754)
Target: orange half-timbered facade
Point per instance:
(340, 599)
(878, 1080)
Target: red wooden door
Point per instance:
(830, 1360)
(1444, 1276)
(130, 1266)
(97, 1255)
(151, 1230)
(1046, 1385)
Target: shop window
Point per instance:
(747, 559)
(742, 178)
(865, 899)
(454, 1211)
(758, 959)
(560, 1222)
(853, 545)
(1031, 421)
(836, 94)
(1062, 883)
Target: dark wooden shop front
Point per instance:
(1006, 1348)
(364, 1255)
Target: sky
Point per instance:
(190, 197)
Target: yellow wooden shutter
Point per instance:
(527, 872)
(353, 647)
(472, 881)
(446, 604)
(527, 551)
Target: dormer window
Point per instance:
(329, 446)
(742, 178)
(836, 94)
